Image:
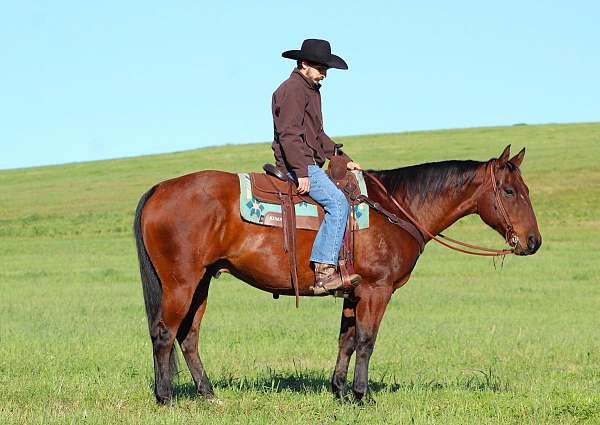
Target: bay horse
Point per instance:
(188, 230)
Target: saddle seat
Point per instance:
(270, 189)
(266, 187)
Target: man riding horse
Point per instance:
(301, 147)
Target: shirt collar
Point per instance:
(297, 74)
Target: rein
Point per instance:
(510, 236)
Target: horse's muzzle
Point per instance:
(533, 244)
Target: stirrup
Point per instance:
(340, 290)
(323, 290)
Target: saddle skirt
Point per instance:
(260, 203)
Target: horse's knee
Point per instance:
(365, 346)
(161, 337)
(347, 346)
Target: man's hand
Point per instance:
(303, 184)
(353, 166)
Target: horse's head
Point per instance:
(505, 205)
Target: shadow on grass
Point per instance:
(318, 381)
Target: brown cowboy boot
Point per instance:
(328, 280)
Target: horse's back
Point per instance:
(193, 193)
(200, 183)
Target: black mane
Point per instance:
(430, 179)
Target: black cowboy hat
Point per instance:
(317, 52)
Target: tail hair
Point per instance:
(151, 284)
(150, 281)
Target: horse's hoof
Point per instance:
(341, 394)
(164, 401)
(364, 399)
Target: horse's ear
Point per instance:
(502, 159)
(518, 158)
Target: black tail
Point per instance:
(150, 281)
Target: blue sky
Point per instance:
(92, 80)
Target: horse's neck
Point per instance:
(436, 213)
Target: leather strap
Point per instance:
(288, 216)
(292, 233)
(345, 260)
(487, 252)
(510, 236)
(392, 218)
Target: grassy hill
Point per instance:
(464, 342)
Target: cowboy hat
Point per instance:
(318, 52)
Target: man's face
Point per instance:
(313, 71)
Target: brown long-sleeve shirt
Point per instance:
(299, 138)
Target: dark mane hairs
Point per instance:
(430, 179)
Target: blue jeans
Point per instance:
(326, 248)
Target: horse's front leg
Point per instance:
(372, 301)
(347, 344)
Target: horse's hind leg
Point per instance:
(347, 344)
(175, 303)
(188, 338)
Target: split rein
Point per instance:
(510, 236)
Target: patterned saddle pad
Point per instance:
(307, 215)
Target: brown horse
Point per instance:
(189, 229)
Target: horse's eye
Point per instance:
(508, 191)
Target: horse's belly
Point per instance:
(259, 259)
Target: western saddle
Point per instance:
(276, 187)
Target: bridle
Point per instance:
(510, 235)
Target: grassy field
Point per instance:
(464, 342)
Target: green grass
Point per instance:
(462, 342)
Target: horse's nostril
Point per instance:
(531, 242)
